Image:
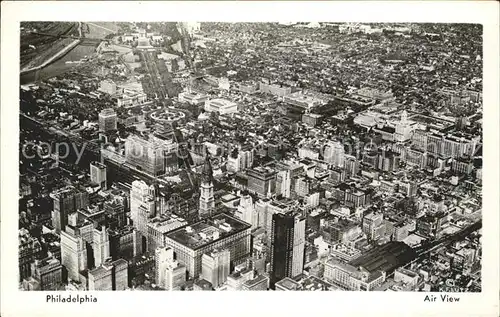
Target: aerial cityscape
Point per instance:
(250, 156)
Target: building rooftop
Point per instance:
(258, 279)
(207, 231)
(166, 224)
(312, 283)
(288, 284)
(385, 258)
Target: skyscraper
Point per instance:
(246, 156)
(207, 201)
(139, 193)
(334, 154)
(175, 275)
(142, 207)
(169, 273)
(163, 257)
(81, 199)
(29, 250)
(64, 204)
(73, 254)
(215, 267)
(101, 246)
(246, 209)
(98, 174)
(48, 272)
(351, 165)
(284, 183)
(287, 246)
(66, 201)
(110, 276)
(261, 180)
(107, 120)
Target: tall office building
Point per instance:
(207, 201)
(98, 174)
(284, 183)
(373, 225)
(73, 254)
(101, 246)
(66, 201)
(107, 120)
(29, 250)
(388, 161)
(261, 180)
(146, 211)
(246, 156)
(175, 276)
(139, 193)
(287, 246)
(351, 165)
(163, 257)
(447, 145)
(334, 154)
(64, 204)
(110, 276)
(246, 209)
(242, 158)
(48, 272)
(215, 267)
(142, 208)
(81, 199)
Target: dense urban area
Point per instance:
(250, 156)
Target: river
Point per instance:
(80, 51)
(59, 67)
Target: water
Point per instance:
(59, 67)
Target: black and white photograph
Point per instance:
(250, 156)
(270, 156)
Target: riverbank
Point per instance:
(52, 59)
(59, 66)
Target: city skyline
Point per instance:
(251, 156)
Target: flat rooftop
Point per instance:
(166, 224)
(385, 258)
(207, 231)
(289, 284)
